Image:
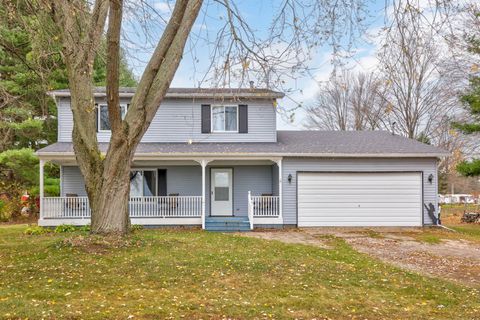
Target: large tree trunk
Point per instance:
(110, 201)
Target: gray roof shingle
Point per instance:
(290, 143)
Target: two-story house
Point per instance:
(214, 158)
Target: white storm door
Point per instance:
(221, 193)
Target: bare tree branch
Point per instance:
(113, 65)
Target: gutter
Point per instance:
(157, 156)
(232, 95)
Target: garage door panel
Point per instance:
(338, 184)
(359, 187)
(360, 215)
(365, 205)
(355, 198)
(356, 218)
(359, 199)
(357, 184)
(328, 197)
(367, 211)
(363, 177)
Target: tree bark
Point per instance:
(110, 201)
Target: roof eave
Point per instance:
(276, 95)
(244, 155)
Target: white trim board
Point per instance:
(140, 221)
(256, 156)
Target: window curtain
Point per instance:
(218, 119)
(230, 119)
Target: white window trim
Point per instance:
(143, 185)
(99, 106)
(224, 119)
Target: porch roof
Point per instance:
(289, 143)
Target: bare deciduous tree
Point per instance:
(332, 107)
(350, 101)
(417, 94)
(82, 28)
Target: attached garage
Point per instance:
(359, 199)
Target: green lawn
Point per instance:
(194, 274)
(469, 230)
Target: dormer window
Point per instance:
(103, 121)
(224, 118)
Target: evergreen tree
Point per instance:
(471, 99)
(30, 65)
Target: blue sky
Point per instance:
(196, 61)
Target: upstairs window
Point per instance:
(103, 121)
(224, 118)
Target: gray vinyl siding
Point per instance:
(187, 181)
(179, 120)
(184, 180)
(294, 165)
(72, 181)
(275, 179)
(257, 179)
(65, 120)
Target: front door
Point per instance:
(221, 185)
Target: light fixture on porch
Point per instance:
(289, 178)
(430, 178)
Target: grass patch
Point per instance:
(470, 230)
(429, 238)
(192, 274)
(374, 234)
(435, 235)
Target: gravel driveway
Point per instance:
(452, 259)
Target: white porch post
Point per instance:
(42, 163)
(203, 163)
(280, 192)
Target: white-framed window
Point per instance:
(143, 183)
(224, 118)
(103, 121)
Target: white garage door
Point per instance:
(359, 199)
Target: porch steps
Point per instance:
(227, 224)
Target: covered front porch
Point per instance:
(179, 191)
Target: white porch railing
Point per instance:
(262, 207)
(139, 207)
(265, 206)
(166, 207)
(65, 207)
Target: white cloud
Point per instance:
(162, 6)
(200, 26)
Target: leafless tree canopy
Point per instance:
(350, 101)
(424, 67)
(410, 92)
(417, 91)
